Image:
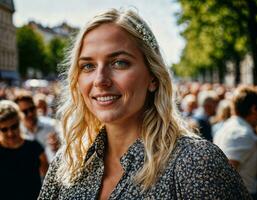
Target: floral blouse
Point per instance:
(197, 169)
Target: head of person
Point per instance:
(116, 74)
(27, 107)
(221, 91)
(244, 104)
(223, 110)
(9, 123)
(189, 103)
(41, 104)
(208, 100)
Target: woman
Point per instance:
(23, 162)
(122, 136)
(223, 113)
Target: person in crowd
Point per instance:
(41, 104)
(3, 95)
(237, 138)
(188, 105)
(221, 91)
(223, 113)
(36, 127)
(207, 101)
(23, 162)
(123, 138)
(194, 88)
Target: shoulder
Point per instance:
(46, 122)
(31, 143)
(235, 133)
(197, 149)
(237, 126)
(58, 157)
(201, 169)
(33, 146)
(51, 184)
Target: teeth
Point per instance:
(107, 98)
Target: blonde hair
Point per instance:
(223, 111)
(161, 123)
(9, 110)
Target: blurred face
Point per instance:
(210, 107)
(114, 79)
(42, 107)
(10, 132)
(192, 105)
(29, 110)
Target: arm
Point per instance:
(43, 164)
(53, 141)
(202, 172)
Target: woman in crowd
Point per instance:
(123, 138)
(223, 113)
(23, 163)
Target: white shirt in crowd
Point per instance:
(238, 141)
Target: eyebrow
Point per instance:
(114, 54)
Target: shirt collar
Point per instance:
(98, 146)
(133, 158)
(243, 122)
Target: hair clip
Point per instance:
(147, 35)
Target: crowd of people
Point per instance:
(119, 134)
(226, 116)
(29, 139)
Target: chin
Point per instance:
(108, 118)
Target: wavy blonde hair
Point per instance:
(161, 125)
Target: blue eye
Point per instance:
(120, 64)
(87, 67)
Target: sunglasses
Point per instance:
(13, 127)
(28, 110)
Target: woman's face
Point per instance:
(10, 132)
(114, 78)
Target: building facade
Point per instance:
(62, 30)
(8, 48)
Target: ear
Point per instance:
(153, 84)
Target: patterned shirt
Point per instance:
(196, 169)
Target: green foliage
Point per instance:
(215, 32)
(36, 54)
(55, 53)
(31, 50)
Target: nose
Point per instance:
(103, 77)
(10, 132)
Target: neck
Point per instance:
(250, 121)
(12, 145)
(31, 126)
(120, 138)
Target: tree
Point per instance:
(217, 32)
(55, 52)
(31, 50)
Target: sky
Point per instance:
(159, 14)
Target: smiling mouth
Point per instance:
(107, 98)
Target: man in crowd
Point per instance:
(207, 101)
(238, 139)
(35, 127)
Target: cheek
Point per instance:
(84, 85)
(135, 85)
